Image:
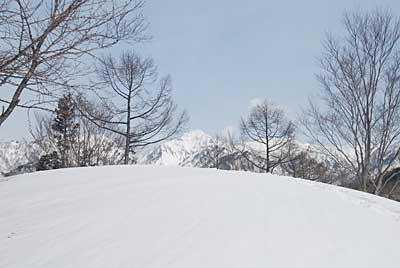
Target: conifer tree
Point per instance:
(65, 127)
(49, 161)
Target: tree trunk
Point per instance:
(17, 94)
(128, 131)
(267, 170)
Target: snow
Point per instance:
(156, 216)
(189, 151)
(171, 152)
(12, 154)
(175, 152)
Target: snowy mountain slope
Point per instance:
(193, 149)
(175, 152)
(172, 153)
(12, 154)
(152, 216)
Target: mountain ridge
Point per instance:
(174, 152)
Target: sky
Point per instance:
(224, 55)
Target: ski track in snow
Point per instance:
(152, 216)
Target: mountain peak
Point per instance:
(195, 134)
(174, 152)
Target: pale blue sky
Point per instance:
(222, 54)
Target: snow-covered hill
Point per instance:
(153, 216)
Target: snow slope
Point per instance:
(154, 216)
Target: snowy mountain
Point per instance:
(176, 152)
(182, 151)
(155, 216)
(12, 155)
(194, 149)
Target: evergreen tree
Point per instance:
(65, 127)
(49, 161)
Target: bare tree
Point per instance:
(142, 110)
(270, 134)
(303, 164)
(96, 146)
(358, 125)
(214, 153)
(92, 146)
(44, 44)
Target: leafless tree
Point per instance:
(142, 109)
(45, 45)
(358, 125)
(93, 146)
(215, 151)
(303, 164)
(96, 146)
(270, 135)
